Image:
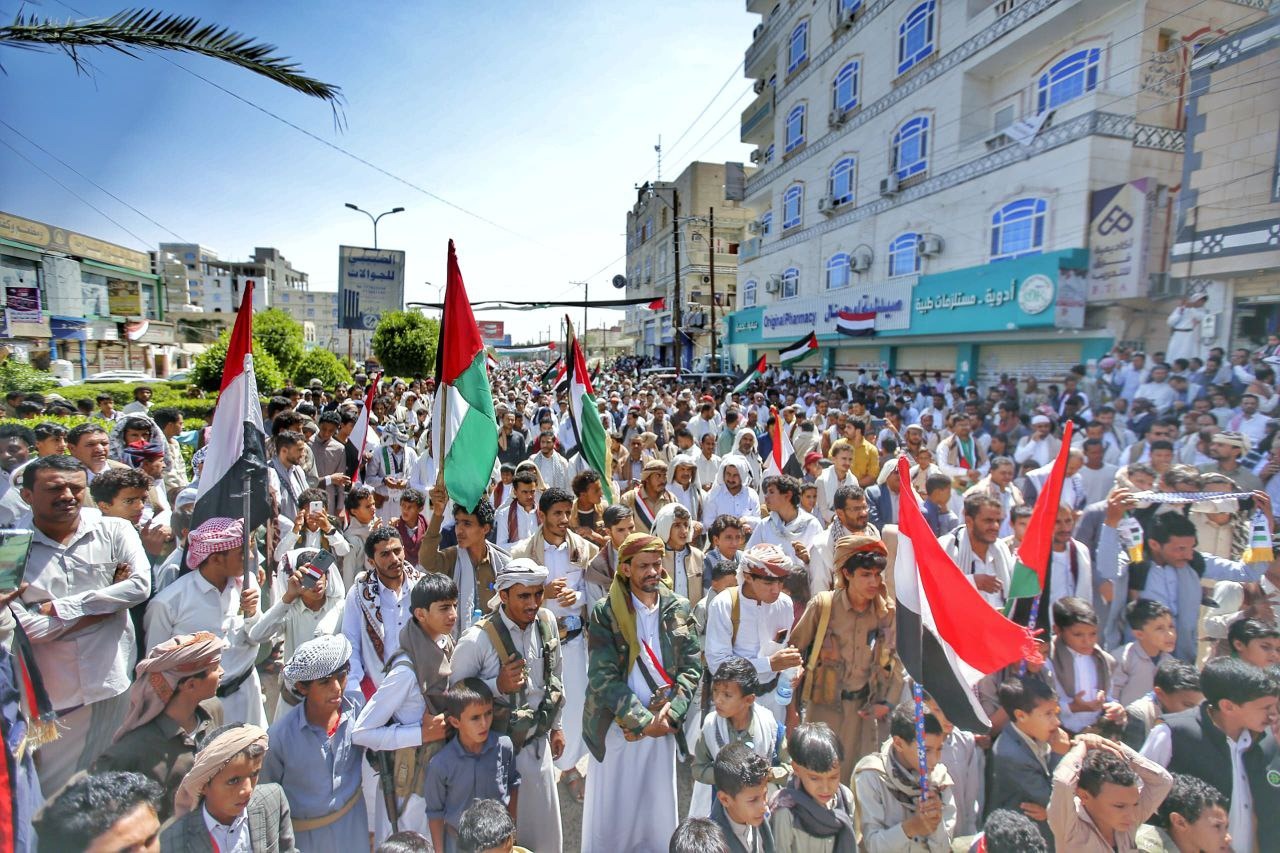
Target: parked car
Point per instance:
(120, 376)
(180, 376)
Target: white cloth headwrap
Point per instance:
(521, 570)
(665, 518)
(318, 658)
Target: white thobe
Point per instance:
(556, 560)
(555, 470)
(762, 630)
(828, 482)
(744, 505)
(1060, 585)
(394, 607)
(804, 529)
(999, 562)
(526, 523)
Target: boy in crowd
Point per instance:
(1082, 670)
(1027, 750)
(890, 812)
(937, 511)
(1192, 819)
(313, 527)
(103, 812)
(742, 789)
(410, 524)
(122, 493)
(727, 538)
(619, 523)
(486, 827)
(735, 718)
(965, 763)
(1176, 687)
(1254, 642)
(476, 763)
(1019, 520)
(220, 800)
(815, 809)
(809, 498)
(1154, 639)
(1102, 792)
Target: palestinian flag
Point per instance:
(856, 324)
(751, 375)
(359, 437)
(464, 433)
(658, 304)
(237, 455)
(592, 441)
(949, 638)
(549, 372)
(1031, 569)
(782, 456)
(798, 350)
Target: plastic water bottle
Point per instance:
(782, 692)
(476, 615)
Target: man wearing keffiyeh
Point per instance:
(643, 667)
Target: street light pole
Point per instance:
(374, 220)
(712, 269)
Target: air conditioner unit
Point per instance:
(930, 245)
(706, 279)
(889, 186)
(755, 34)
(860, 261)
(754, 226)
(836, 118)
(827, 205)
(756, 156)
(773, 284)
(760, 84)
(847, 18)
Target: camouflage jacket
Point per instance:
(609, 699)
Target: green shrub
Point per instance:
(20, 376)
(210, 365)
(70, 421)
(323, 365)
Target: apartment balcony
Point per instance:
(760, 7)
(761, 54)
(757, 119)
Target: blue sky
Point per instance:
(539, 117)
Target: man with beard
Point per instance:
(378, 607)
(731, 495)
(852, 518)
(1226, 448)
(978, 551)
(644, 667)
(650, 496)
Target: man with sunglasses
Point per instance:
(753, 621)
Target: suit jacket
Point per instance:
(880, 505)
(270, 828)
(692, 569)
(631, 500)
(331, 458)
(1017, 777)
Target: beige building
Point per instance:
(698, 194)
(1228, 238)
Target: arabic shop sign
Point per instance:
(1003, 296)
(1120, 223)
(370, 284)
(793, 317)
(69, 242)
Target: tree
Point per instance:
(323, 365)
(148, 29)
(405, 343)
(210, 364)
(280, 335)
(20, 376)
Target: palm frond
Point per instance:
(149, 29)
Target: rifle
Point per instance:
(387, 781)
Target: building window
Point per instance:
(838, 271)
(1068, 79)
(766, 224)
(648, 270)
(842, 189)
(662, 262)
(844, 89)
(847, 6)
(790, 283)
(798, 46)
(795, 128)
(749, 294)
(1017, 229)
(792, 202)
(904, 254)
(768, 154)
(916, 35)
(911, 148)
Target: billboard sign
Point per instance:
(124, 298)
(492, 331)
(1120, 220)
(370, 284)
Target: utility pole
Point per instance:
(675, 308)
(712, 266)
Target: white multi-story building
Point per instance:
(992, 180)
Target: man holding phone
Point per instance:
(313, 528)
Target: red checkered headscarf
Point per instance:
(216, 534)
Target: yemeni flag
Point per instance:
(799, 349)
(782, 456)
(658, 304)
(237, 456)
(751, 375)
(1030, 579)
(360, 432)
(856, 324)
(592, 441)
(949, 637)
(464, 432)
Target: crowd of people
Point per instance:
(381, 668)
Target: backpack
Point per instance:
(507, 716)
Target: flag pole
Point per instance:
(248, 534)
(917, 692)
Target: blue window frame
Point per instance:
(792, 202)
(911, 148)
(838, 271)
(768, 154)
(790, 283)
(766, 224)
(847, 6)
(1068, 79)
(798, 46)
(844, 89)
(904, 254)
(916, 35)
(842, 183)
(795, 128)
(749, 294)
(1017, 229)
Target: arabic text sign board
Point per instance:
(370, 284)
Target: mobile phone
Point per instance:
(315, 507)
(14, 547)
(316, 568)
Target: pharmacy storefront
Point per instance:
(1024, 317)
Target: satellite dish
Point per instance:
(620, 281)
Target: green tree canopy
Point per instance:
(280, 335)
(20, 376)
(405, 343)
(323, 365)
(210, 364)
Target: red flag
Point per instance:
(1031, 571)
(658, 304)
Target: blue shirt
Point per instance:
(455, 777)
